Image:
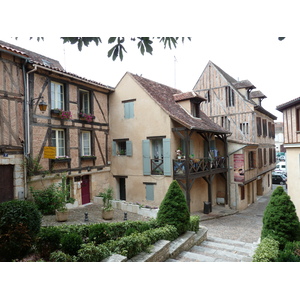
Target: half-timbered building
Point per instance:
(59, 121)
(291, 134)
(236, 106)
(159, 134)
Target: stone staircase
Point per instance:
(215, 249)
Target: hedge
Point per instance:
(267, 250)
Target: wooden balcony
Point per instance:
(157, 166)
(199, 167)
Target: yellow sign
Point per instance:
(50, 152)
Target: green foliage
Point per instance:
(194, 223)
(71, 243)
(48, 240)
(59, 256)
(91, 253)
(280, 220)
(45, 199)
(20, 222)
(174, 210)
(107, 196)
(32, 165)
(290, 253)
(168, 232)
(267, 250)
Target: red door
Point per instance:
(6, 183)
(85, 189)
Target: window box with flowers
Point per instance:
(59, 159)
(86, 117)
(88, 157)
(62, 114)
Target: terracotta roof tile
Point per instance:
(163, 95)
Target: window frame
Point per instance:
(230, 96)
(82, 106)
(57, 103)
(129, 108)
(90, 152)
(244, 127)
(56, 139)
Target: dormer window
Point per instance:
(195, 109)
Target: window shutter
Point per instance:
(149, 192)
(128, 148)
(146, 157)
(167, 156)
(114, 148)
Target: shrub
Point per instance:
(290, 253)
(46, 199)
(59, 256)
(48, 240)
(174, 210)
(267, 250)
(168, 232)
(71, 243)
(194, 223)
(20, 222)
(91, 253)
(280, 220)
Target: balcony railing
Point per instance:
(198, 165)
(157, 166)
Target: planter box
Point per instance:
(62, 160)
(98, 200)
(88, 157)
(61, 216)
(107, 214)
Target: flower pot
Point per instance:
(107, 214)
(61, 216)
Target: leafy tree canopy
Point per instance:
(144, 44)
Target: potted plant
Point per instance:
(62, 194)
(107, 209)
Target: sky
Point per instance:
(271, 65)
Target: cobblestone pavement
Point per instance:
(244, 226)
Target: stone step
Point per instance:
(216, 249)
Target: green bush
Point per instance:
(194, 223)
(174, 210)
(59, 256)
(20, 222)
(71, 243)
(48, 240)
(46, 199)
(290, 253)
(92, 253)
(267, 250)
(280, 220)
(168, 232)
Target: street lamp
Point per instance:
(42, 105)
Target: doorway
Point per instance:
(122, 188)
(85, 189)
(6, 183)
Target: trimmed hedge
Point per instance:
(290, 253)
(267, 250)
(194, 223)
(20, 222)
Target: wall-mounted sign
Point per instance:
(5, 154)
(50, 152)
(238, 165)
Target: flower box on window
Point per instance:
(61, 159)
(62, 114)
(87, 117)
(88, 157)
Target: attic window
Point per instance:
(46, 63)
(195, 109)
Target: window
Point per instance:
(244, 128)
(225, 123)
(252, 159)
(57, 95)
(149, 191)
(265, 157)
(229, 96)
(258, 125)
(242, 192)
(298, 119)
(195, 109)
(128, 109)
(86, 143)
(58, 141)
(122, 147)
(264, 122)
(260, 160)
(84, 101)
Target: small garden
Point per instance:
(280, 236)
(23, 239)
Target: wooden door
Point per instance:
(122, 186)
(6, 183)
(85, 189)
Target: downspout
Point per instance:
(26, 121)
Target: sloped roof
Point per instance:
(288, 104)
(46, 62)
(257, 94)
(163, 95)
(244, 84)
(188, 95)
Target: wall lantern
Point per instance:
(42, 105)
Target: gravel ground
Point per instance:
(77, 216)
